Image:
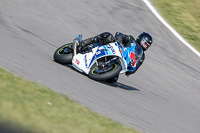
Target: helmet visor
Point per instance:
(145, 44)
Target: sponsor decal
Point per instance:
(86, 61)
(132, 56)
(112, 49)
(77, 62)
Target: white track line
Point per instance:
(169, 27)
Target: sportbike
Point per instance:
(99, 62)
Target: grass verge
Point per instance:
(183, 16)
(28, 107)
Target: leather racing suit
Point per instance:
(125, 41)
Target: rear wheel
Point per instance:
(64, 54)
(101, 72)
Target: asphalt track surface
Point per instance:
(162, 97)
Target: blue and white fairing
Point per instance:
(129, 54)
(104, 50)
(83, 62)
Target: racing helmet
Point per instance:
(105, 38)
(144, 40)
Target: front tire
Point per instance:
(97, 74)
(64, 54)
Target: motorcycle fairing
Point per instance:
(103, 51)
(83, 62)
(129, 53)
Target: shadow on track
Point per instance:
(120, 85)
(117, 84)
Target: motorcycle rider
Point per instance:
(143, 42)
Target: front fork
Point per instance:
(109, 63)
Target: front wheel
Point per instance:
(64, 54)
(104, 73)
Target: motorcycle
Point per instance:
(99, 62)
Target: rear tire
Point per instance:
(114, 71)
(64, 54)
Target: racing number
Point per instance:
(98, 52)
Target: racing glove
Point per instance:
(119, 38)
(128, 73)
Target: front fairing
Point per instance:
(84, 61)
(131, 54)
